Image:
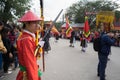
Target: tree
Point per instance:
(77, 10)
(117, 15)
(13, 9)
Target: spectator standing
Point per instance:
(2, 49)
(107, 41)
(7, 58)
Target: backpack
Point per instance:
(97, 44)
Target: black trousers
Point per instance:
(6, 62)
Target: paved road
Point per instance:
(68, 63)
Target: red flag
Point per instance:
(54, 30)
(68, 32)
(67, 22)
(68, 28)
(86, 28)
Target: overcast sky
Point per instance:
(53, 7)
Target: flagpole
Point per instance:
(42, 25)
(43, 38)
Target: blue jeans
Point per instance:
(16, 61)
(1, 64)
(102, 66)
(0, 60)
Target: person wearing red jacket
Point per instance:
(26, 47)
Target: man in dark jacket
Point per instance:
(72, 38)
(106, 42)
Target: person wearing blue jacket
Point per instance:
(107, 41)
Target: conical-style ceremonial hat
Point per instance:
(29, 16)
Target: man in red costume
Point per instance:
(26, 47)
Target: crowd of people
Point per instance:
(116, 33)
(10, 37)
(18, 46)
(107, 39)
(8, 51)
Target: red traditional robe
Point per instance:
(26, 47)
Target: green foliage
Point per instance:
(77, 10)
(13, 9)
(117, 15)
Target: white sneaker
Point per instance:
(9, 72)
(10, 69)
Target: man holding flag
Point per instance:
(70, 33)
(85, 35)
